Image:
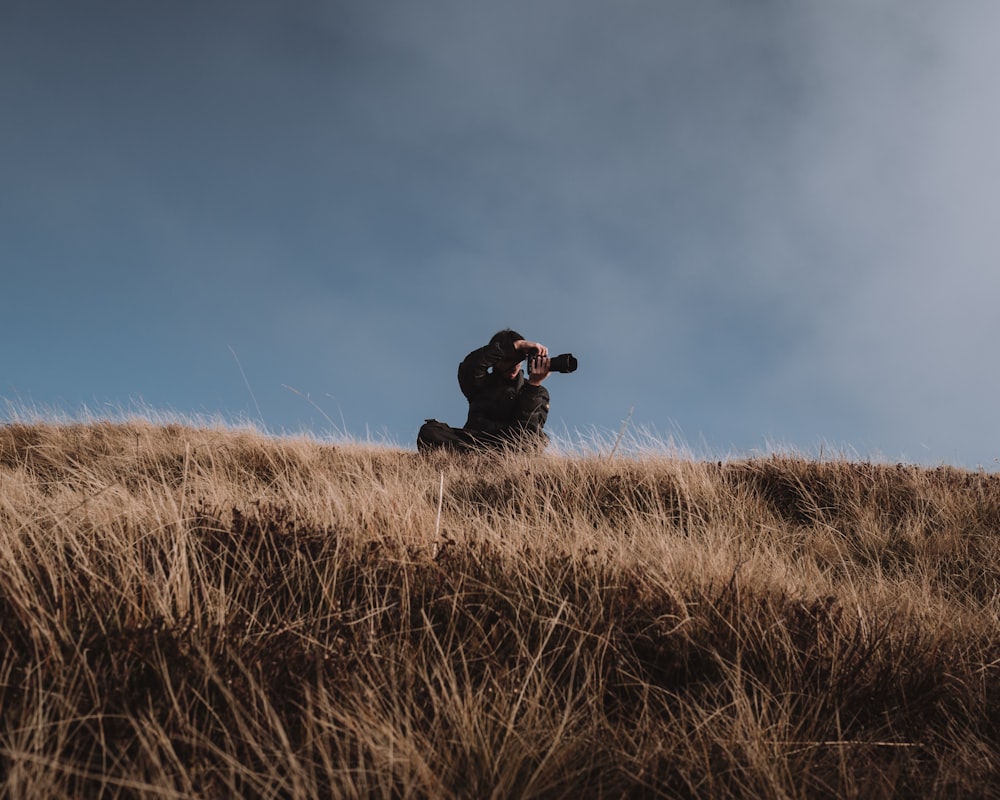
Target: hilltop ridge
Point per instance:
(190, 609)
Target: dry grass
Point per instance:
(212, 613)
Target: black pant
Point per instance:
(436, 435)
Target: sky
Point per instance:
(760, 225)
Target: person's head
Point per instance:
(511, 366)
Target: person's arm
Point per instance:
(539, 368)
(524, 347)
(475, 367)
(533, 401)
(533, 407)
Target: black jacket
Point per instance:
(498, 406)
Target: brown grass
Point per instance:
(214, 613)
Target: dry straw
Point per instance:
(209, 612)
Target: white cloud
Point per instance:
(896, 165)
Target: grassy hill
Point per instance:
(189, 612)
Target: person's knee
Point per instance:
(434, 435)
(430, 436)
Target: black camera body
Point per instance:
(564, 363)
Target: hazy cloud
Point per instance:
(767, 221)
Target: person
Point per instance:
(506, 409)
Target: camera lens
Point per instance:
(563, 363)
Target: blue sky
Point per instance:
(758, 225)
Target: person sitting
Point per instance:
(506, 410)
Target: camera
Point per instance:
(564, 363)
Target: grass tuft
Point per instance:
(192, 611)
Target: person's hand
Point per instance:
(539, 368)
(524, 346)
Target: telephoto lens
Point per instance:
(563, 363)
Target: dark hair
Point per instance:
(506, 338)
